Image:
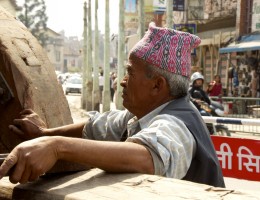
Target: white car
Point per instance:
(73, 85)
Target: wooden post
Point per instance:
(95, 93)
(84, 85)
(217, 53)
(169, 8)
(106, 91)
(227, 79)
(141, 19)
(121, 54)
(204, 59)
(211, 50)
(89, 70)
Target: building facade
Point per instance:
(55, 49)
(241, 57)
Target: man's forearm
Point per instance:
(71, 130)
(109, 156)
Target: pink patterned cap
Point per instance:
(167, 48)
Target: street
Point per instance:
(74, 101)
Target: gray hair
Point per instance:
(178, 84)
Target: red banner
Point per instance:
(238, 157)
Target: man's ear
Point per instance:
(160, 85)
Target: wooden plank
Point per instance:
(97, 184)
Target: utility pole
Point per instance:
(185, 11)
(95, 93)
(89, 78)
(121, 54)
(84, 89)
(106, 90)
(141, 15)
(169, 8)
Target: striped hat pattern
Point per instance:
(167, 48)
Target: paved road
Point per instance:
(231, 183)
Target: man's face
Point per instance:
(137, 88)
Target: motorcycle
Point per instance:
(215, 109)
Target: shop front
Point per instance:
(242, 60)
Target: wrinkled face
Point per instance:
(137, 87)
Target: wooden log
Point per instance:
(27, 80)
(31, 78)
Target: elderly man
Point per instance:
(163, 133)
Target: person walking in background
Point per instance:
(114, 85)
(101, 85)
(112, 90)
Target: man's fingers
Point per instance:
(18, 122)
(26, 112)
(16, 174)
(33, 177)
(17, 170)
(25, 175)
(16, 130)
(7, 165)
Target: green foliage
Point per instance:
(33, 16)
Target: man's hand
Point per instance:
(30, 159)
(29, 126)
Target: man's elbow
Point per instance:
(147, 166)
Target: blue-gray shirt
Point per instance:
(170, 143)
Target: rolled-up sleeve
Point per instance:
(170, 144)
(107, 126)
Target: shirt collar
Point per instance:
(143, 122)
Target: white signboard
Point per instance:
(256, 16)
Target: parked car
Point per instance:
(72, 85)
